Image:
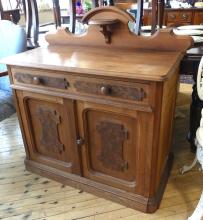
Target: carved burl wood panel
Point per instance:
(109, 154)
(50, 132)
(136, 94)
(112, 137)
(60, 83)
(49, 120)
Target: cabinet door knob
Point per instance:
(36, 80)
(80, 141)
(105, 90)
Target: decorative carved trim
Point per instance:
(121, 36)
(137, 94)
(50, 119)
(123, 16)
(112, 137)
(59, 83)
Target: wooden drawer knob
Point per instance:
(172, 16)
(36, 80)
(105, 90)
(185, 16)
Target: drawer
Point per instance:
(185, 16)
(114, 90)
(172, 16)
(36, 79)
(85, 87)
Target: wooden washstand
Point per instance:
(96, 110)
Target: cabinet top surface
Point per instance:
(131, 64)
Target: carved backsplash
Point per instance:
(108, 27)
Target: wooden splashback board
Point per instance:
(121, 36)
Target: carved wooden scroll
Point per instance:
(112, 137)
(50, 120)
(104, 31)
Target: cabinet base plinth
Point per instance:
(135, 201)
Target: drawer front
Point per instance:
(172, 16)
(185, 16)
(141, 93)
(40, 80)
(137, 93)
(85, 87)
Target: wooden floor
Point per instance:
(24, 195)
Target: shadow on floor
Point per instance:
(7, 107)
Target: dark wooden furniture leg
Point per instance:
(35, 20)
(154, 16)
(32, 22)
(28, 18)
(139, 16)
(57, 13)
(95, 3)
(157, 14)
(72, 15)
(160, 12)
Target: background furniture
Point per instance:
(12, 14)
(32, 23)
(100, 124)
(156, 12)
(189, 65)
(12, 41)
(198, 213)
(72, 17)
(176, 17)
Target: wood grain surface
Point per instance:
(131, 64)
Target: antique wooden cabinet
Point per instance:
(96, 110)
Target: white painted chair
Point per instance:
(198, 213)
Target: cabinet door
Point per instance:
(111, 153)
(49, 128)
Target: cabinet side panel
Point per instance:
(170, 90)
